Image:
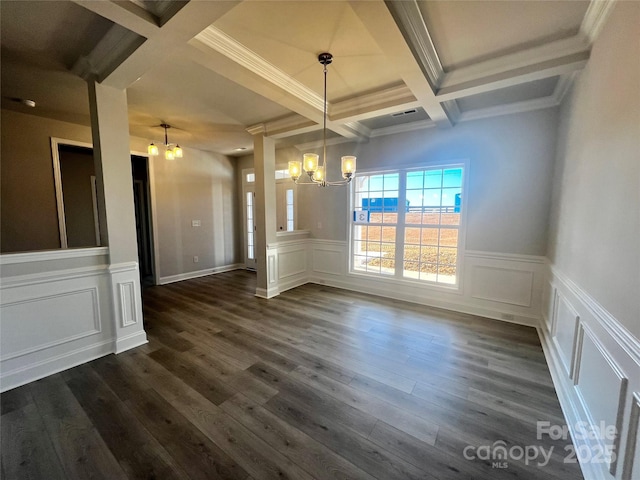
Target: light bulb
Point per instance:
(295, 168)
(178, 151)
(152, 150)
(348, 166)
(310, 162)
(318, 175)
(168, 154)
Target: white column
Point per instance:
(112, 157)
(264, 160)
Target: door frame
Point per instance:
(62, 226)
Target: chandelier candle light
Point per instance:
(318, 173)
(171, 151)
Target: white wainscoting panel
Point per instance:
(329, 257)
(632, 454)
(502, 285)
(606, 373)
(18, 335)
(127, 306)
(597, 374)
(293, 269)
(53, 320)
(565, 332)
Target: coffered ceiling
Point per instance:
(214, 69)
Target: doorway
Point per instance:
(142, 205)
(76, 200)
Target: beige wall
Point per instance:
(76, 170)
(201, 186)
(595, 223)
(511, 161)
(29, 216)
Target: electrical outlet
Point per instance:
(195, 259)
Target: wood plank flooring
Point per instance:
(318, 383)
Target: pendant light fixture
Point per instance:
(172, 150)
(318, 171)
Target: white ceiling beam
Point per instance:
(380, 23)
(382, 102)
(127, 14)
(216, 50)
(548, 52)
(178, 29)
(515, 76)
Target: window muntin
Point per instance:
(414, 224)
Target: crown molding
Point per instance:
(595, 17)
(563, 86)
(223, 43)
(257, 129)
(408, 17)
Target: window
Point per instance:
(282, 174)
(290, 222)
(250, 177)
(407, 224)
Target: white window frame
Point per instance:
(400, 226)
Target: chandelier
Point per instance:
(173, 150)
(318, 173)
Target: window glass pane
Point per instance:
(429, 272)
(448, 237)
(412, 236)
(376, 183)
(429, 254)
(430, 236)
(452, 177)
(433, 179)
(391, 181)
(290, 196)
(374, 233)
(432, 198)
(431, 216)
(447, 255)
(447, 274)
(388, 234)
(450, 219)
(251, 177)
(415, 180)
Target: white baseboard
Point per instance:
(35, 371)
(200, 273)
(131, 341)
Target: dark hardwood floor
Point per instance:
(316, 383)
